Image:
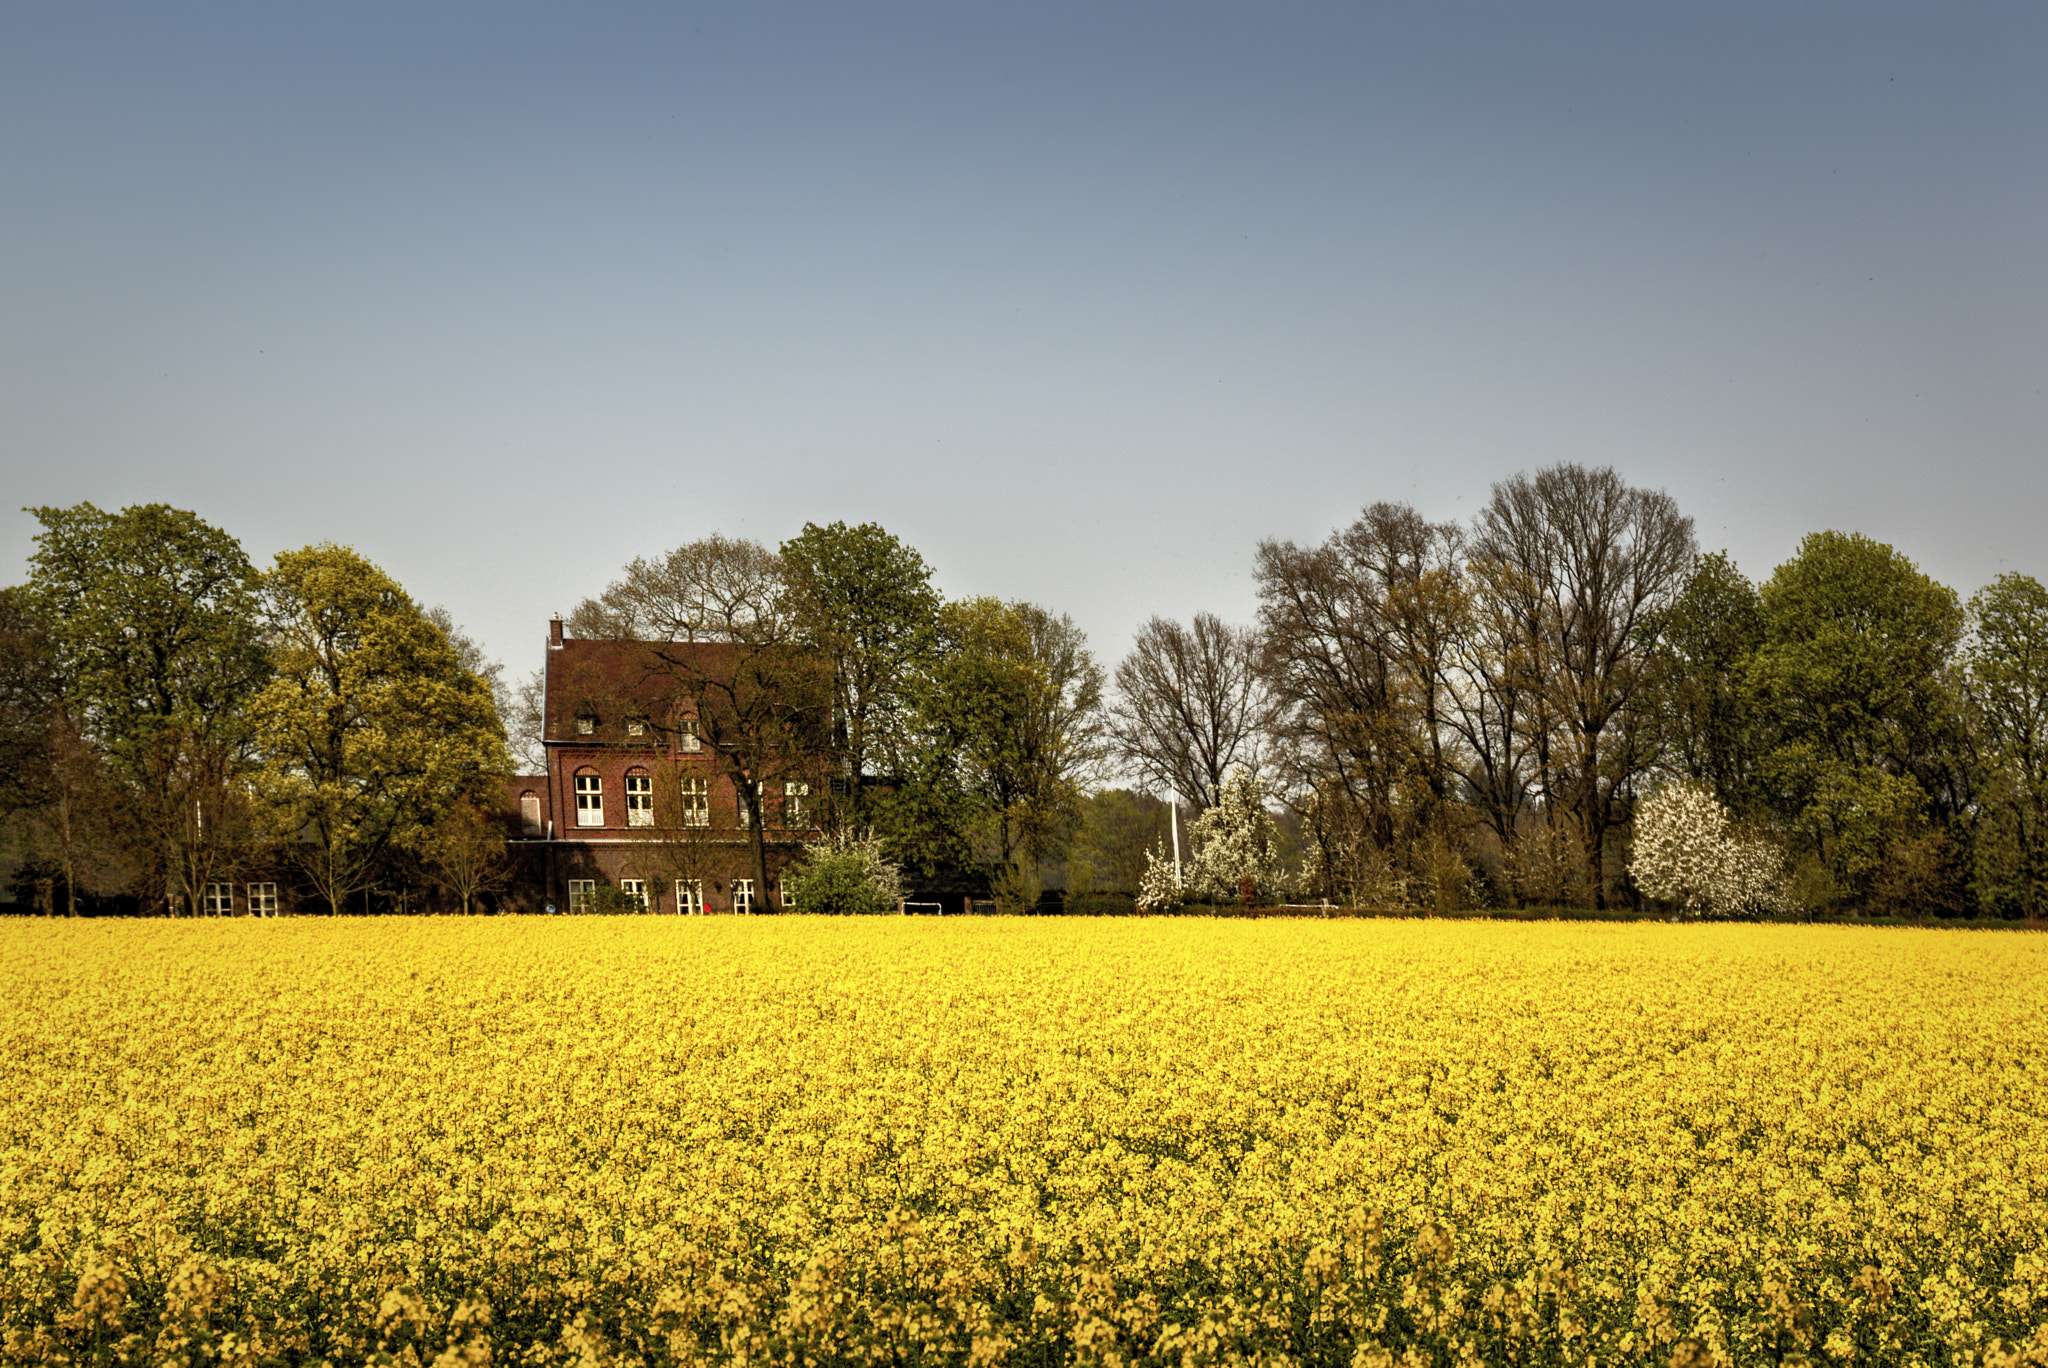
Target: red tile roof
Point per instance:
(612, 682)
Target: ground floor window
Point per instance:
(218, 900)
(788, 898)
(581, 893)
(690, 897)
(263, 900)
(636, 889)
(743, 896)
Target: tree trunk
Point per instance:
(760, 852)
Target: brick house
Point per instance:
(634, 799)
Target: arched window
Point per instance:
(696, 801)
(589, 799)
(639, 798)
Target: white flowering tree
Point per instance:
(1236, 839)
(844, 874)
(1687, 852)
(1159, 887)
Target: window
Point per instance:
(581, 893)
(788, 897)
(690, 897)
(744, 809)
(696, 802)
(794, 805)
(263, 900)
(743, 896)
(585, 724)
(636, 889)
(636, 727)
(529, 814)
(218, 900)
(639, 800)
(589, 800)
(686, 735)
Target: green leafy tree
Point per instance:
(31, 702)
(1117, 828)
(1853, 679)
(1007, 732)
(62, 818)
(370, 728)
(863, 600)
(153, 613)
(2006, 674)
(1711, 729)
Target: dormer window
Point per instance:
(585, 724)
(636, 727)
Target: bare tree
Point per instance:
(1358, 640)
(465, 849)
(1583, 567)
(526, 724)
(1191, 706)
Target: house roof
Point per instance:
(611, 682)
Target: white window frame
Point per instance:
(635, 727)
(586, 725)
(635, 888)
(589, 800)
(581, 891)
(743, 896)
(795, 802)
(788, 897)
(262, 899)
(686, 736)
(689, 897)
(640, 800)
(696, 793)
(217, 900)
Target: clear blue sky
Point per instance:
(1080, 300)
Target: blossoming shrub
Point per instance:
(845, 875)
(1687, 852)
(810, 1141)
(1159, 890)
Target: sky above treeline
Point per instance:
(1081, 300)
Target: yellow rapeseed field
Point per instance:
(797, 1141)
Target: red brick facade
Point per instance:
(632, 800)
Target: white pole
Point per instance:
(1176, 842)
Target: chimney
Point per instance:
(555, 632)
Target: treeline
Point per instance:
(1469, 714)
(173, 721)
(1440, 715)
